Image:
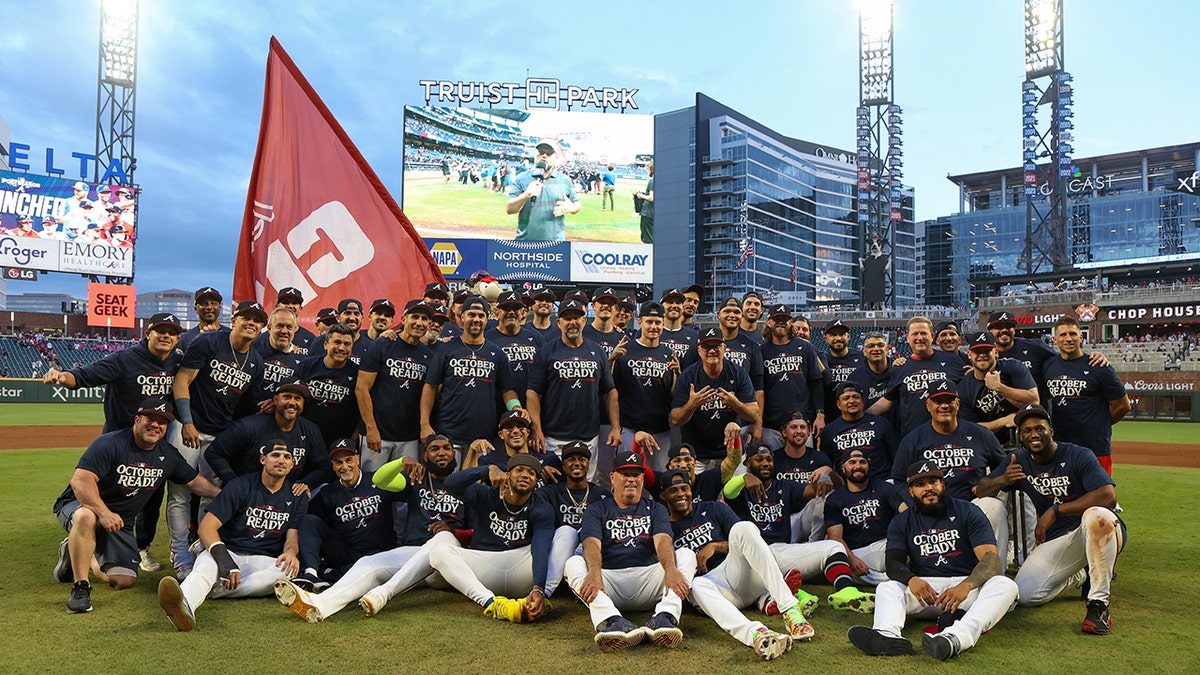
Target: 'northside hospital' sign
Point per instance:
(537, 93)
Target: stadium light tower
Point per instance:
(116, 92)
(1046, 159)
(879, 161)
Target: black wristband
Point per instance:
(225, 564)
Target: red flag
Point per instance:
(793, 270)
(317, 217)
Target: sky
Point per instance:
(791, 65)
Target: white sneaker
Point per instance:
(148, 564)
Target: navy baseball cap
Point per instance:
(607, 295)
(695, 288)
(924, 469)
(673, 477)
(946, 325)
(165, 322)
(434, 438)
(270, 446)
(383, 306)
(475, 302)
(629, 460)
(672, 295)
(845, 387)
(343, 445)
(460, 296)
(513, 418)
(208, 293)
(349, 304)
(540, 292)
(681, 449)
(731, 301)
(290, 293)
(982, 339)
(510, 300)
(293, 386)
(157, 407)
(781, 310)
(711, 335)
(252, 309)
(578, 296)
(836, 326)
(941, 388)
(996, 319)
(1031, 410)
(524, 459)
(651, 309)
(418, 307)
(327, 316)
(439, 312)
(751, 294)
(760, 449)
(27, 219)
(570, 307)
(576, 449)
(628, 304)
(437, 290)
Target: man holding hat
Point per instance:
(839, 363)
(541, 197)
(855, 429)
(250, 540)
(629, 563)
(941, 560)
(792, 379)
(710, 397)
(208, 310)
(1077, 530)
(388, 390)
(113, 480)
(569, 498)
(644, 374)
(857, 516)
(519, 343)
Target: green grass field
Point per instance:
(1154, 603)
(50, 414)
(455, 210)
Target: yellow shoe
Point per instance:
(506, 609)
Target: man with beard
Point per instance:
(839, 364)
(801, 328)
(1033, 353)
(681, 339)
(736, 567)
(752, 311)
(249, 537)
(1077, 530)
(857, 516)
(208, 310)
(350, 314)
(644, 375)
(281, 359)
(963, 451)
(388, 390)
(235, 451)
(130, 376)
(758, 497)
(569, 383)
(542, 310)
(855, 429)
(519, 344)
(793, 380)
(293, 299)
(514, 435)
(375, 579)
(710, 396)
(629, 563)
(995, 388)
(217, 370)
(114, 477)
(569, 498)
(692, 296)
(510, 545)
(941, 558)
(909, 381)
(809, 467)
(331, 378)
(872, 376)
(706, 486)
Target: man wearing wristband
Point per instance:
(250, 540)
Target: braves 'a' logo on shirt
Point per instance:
(782, 365)
(628, 530)
(1050, 485)
(937, 543)
(472, 369)
(138, 476)
(359, 508)
(576, 370)
(1065, 387)
(520, 354)
(230, 375)
(437, 503)
(265, 518)
(406, 370)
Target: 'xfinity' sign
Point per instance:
(535, 92)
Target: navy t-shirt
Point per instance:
(549, 333)
(520, 349)
(865, 515)
(908, 383)
(965, 455)
(572, 383)
(473, 379)
(430, 502)
(128, 474)
(400, 370)
(872, 385)
(277, 367)
(644, 383)
(132, 376)
(607, 341)
(708, 522)
(754, 336)
(189, 335)
(1072, 472)
(799, 469)
(683, 343)
(941, 545)
(1080, 393)
(980, 404)
(569, 504)
(361, 515)
(302, 339)
(707, 487)
(746, 354)
(626, 534)
(331, 402)
(234, 452)
(772, 514)
(222, 378)
(706, 429)
(498, 526)
(837, 371)
(254, 520)
(792, 370)
(870, 434)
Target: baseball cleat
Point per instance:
(874, 643)
(1097, 621)
(616, 633)
(852, 599)
(941, 646)
(80, 601)
(293, 597)
(148, 563)
(62, 569)
(505, 609)
(797, 626)
(808, 602)
(945, 620)
(771, 645)
(663, 630)
(372, 603)
(170, 598)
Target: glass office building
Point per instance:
(725, 183)
(1132, 208)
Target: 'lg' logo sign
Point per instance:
(347, 250)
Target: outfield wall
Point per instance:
(33, 391)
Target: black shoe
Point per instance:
(663, 630)
(941, 647)
(1097, 621)
(875, 643)
(309, 582)
(617, 632)
(947, 619)
(62, 569)
(81, 598)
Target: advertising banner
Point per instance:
(28, 252)
(111, 305)
(510, 260)
(33, 391)
(458, 258)
(612, 263)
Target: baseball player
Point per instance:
(514, 435)
(706, 486)
(281, 360)
(1033, 353)
(681, 339)
(793, 379)
(629, 563)
(1077, 529)
(388, 389)
(375, 579)
(301, 338)
(692, 296)
(436, 293)
(541, 311)
(511, 542)
(644, 373)
(349, 314)
(872, 376)
(839, 363)
(752, 311)
(857, 515)
(600, 329)
(113, 479)
(795, 461)
(326, 317)
(855, 429)
(948, 338)
(331, 378)
(736, 569)
(250, 540)
(908, 382)
(995, 388)
(208, 310)
(520, 344)
(709, 398)
(569, 498)
(746, 354)
(758, 497)
(941, 558)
